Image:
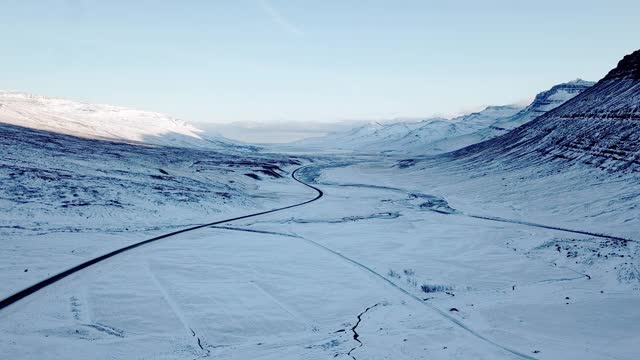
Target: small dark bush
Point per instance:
(394, 274)
(409, 272)
(427, 288)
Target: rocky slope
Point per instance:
(600, 128)
(543, 102)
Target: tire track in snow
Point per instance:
(550, 227)
(294, 314)
(255, 231)
(440, 312)
(413, 297)
(447, 316)
(175, 308)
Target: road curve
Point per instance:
(55, 278)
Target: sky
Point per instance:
(284, 61)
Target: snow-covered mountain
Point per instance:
(577, 164)
(543, 102)
(367, 135)
(408, 136)
(600, 128)
(102, 122)
(439, 135)
(423, 140)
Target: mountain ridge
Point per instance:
(102, 121)
(439, 135)
(599, 128)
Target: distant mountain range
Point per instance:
(427, 137)
(438, 135)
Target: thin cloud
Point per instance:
(278, 18)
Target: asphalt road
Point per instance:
(55, 278)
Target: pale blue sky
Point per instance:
(266, 60)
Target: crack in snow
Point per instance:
(355, 333)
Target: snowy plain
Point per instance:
(297, 284)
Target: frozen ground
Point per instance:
(552, 294)
(64, 200)
(386, 265)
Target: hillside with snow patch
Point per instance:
(439, 135)
(104, 122)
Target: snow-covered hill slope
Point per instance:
(408, 136)
(423, 139)
(72, 198)
(102, 122)
(575, 166)
(599, 128)
(543, 102)
(438, 135)
(367, 135)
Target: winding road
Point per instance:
(55, 278)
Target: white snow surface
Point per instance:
(400, 260)
(101, 121)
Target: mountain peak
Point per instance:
(628, 68)
(580, 82)
(558, 94)
(502, 107)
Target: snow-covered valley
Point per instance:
(294, 284)
(523, 246)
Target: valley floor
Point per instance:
(380, 267)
